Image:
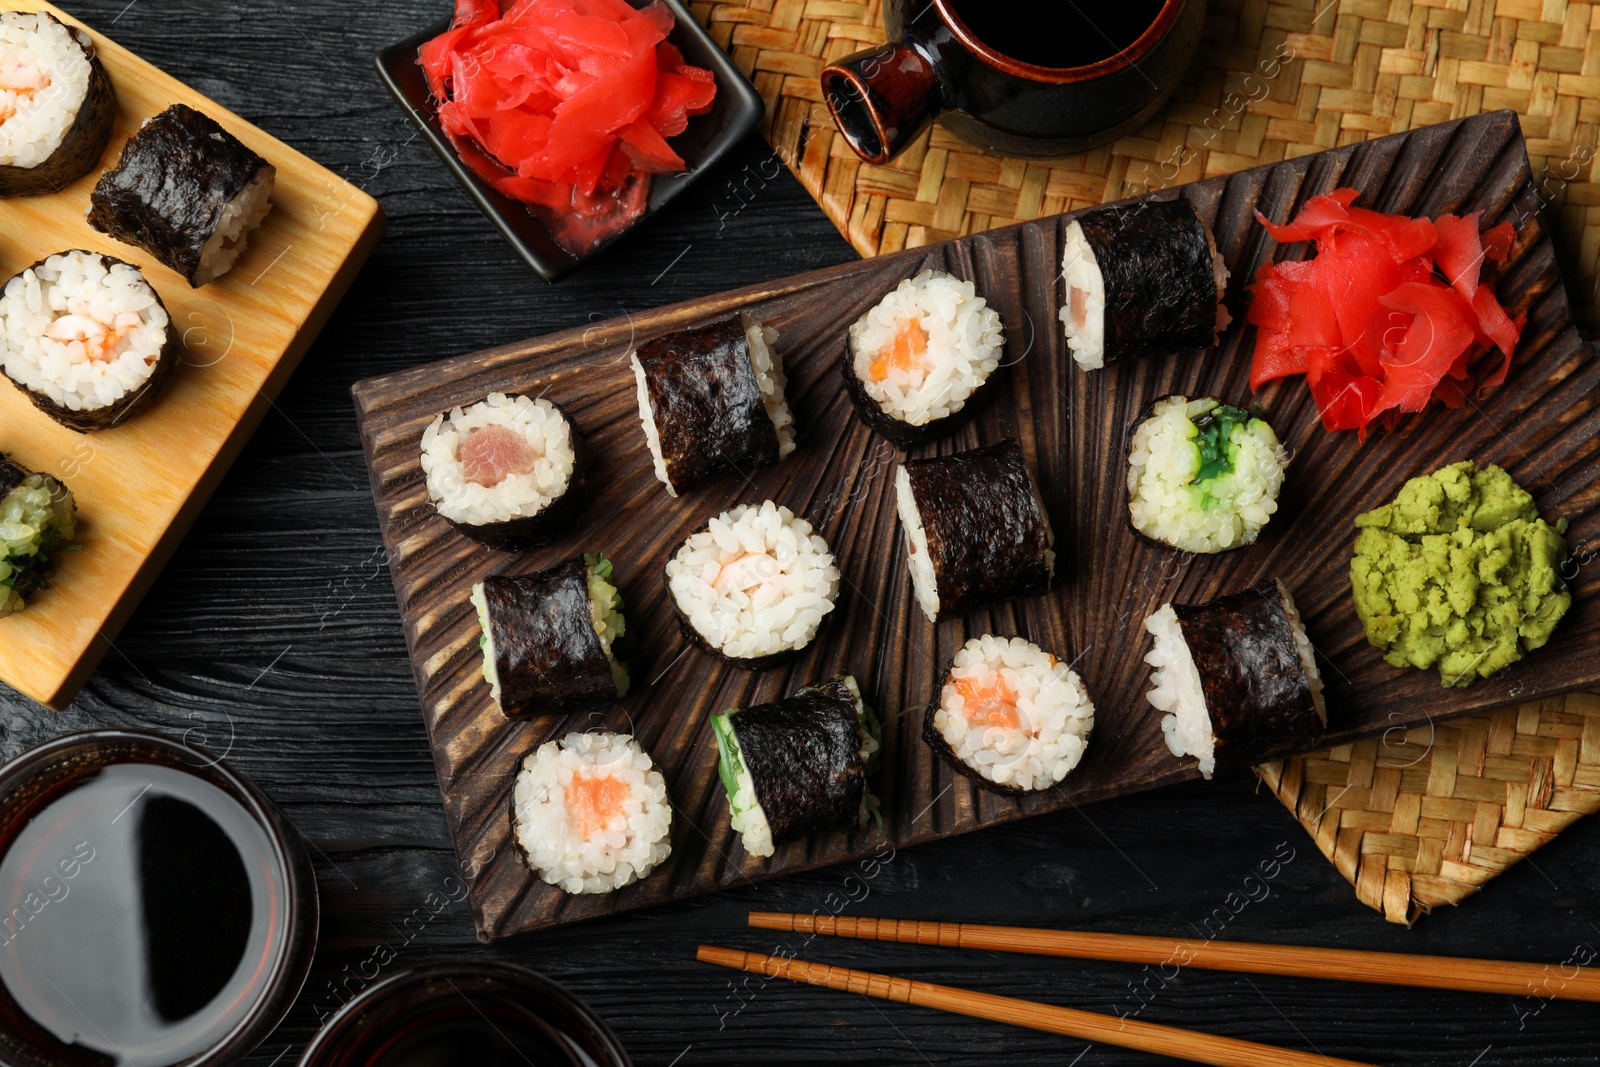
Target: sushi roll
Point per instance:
(1203, 476)
(754, 586)
(711, 401)
(1237, 678)
(56, 104)
(1140, 280)
(590, 813)
(798, 767)
(506, 471)
(976, 530)
(548, 639)
(187, 191)
(37, 517)
(917, 362)
(1011, 716)
(87, 338)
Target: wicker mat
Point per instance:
(1359, 68)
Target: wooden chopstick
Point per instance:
(1565, 982)
(1087, 1025)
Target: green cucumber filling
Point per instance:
(1219, 433)
(605, 608)
(486, 641)
(746, 816)
(36, 519)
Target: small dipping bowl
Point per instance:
(465, 1015)
(157, 908)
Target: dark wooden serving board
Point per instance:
(1073, 427)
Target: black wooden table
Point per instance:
(273, 637)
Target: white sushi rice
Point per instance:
(491, 673)
(965, 339)
(924, 582)
(44, 78)
(239, 217)
(517, 496)
(755, 582)
(1053, 711)
(632, 843)
(81, 330)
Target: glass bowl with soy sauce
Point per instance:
(155, 908)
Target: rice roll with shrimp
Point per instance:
(1203, 476)
(799, 766)
(1139, 280)
(187, 191)
(711, 402)
(57, 106)
(506, 471)
(37, 519)
(918, 360)
(1011, 716)
(549, 639)
(1236, 678)
(754, 586)
(976, 530)
(590, 813)
(86, 338)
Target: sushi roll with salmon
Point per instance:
(1011, 716)
(56, 104)
(711, 402)
(798, 767)
(86, 338)
(918, 361)
(1140, 280)
(1236, 678)
(590, 813)
(37, 519)
(506, 471)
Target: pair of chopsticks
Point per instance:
(1386, 968)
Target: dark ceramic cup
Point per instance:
(1111, 79)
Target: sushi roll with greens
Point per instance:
(800, 766)
(976, 530)
(1203, 476)
(1140, 280)
(548, 639)
(711, 402)
(1236, 678)
(1011, 716)
(37, 518)
(187, 191)
(754, 586)
(917, 362)
(590, 813)
(86, 338)
(56, 104)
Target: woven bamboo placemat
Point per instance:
(1359, 68)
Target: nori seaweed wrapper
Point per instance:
(986, 527)
(1160, 280)
(1255, 685)
(553, 520)
(708, 410)
(167, 194)
(85, 141)
(12, 474)
(547, 655)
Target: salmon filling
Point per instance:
(904, 354)
(491, 454)
(595, 803)
(991, 703)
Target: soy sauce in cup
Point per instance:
(1058, 33)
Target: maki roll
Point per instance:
(87, 338)
(187, 191)
(1237, 677)
(754, 586)
(37, 517)
(1140, 280)
(976, 531)
(590, 813)
(547, 638)
(917, 361)
(505, 471)
(1011, 716)
(799, 766)
(711, 401)
(56, 104)
(1203, 476)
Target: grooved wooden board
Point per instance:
(140, 484)
(1072, 427)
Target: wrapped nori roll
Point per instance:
(799, 766)
(976, 529)
(57, 103)
(37, 517)
(187, 191)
